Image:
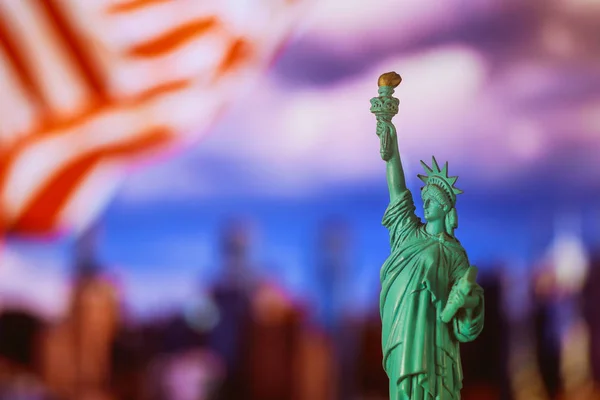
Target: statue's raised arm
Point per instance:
(385, 107)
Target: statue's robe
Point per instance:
(421, 353)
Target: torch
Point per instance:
(385, 107)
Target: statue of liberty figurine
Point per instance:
(430, 301)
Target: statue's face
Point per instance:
(433, 209)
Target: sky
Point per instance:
(507, 92)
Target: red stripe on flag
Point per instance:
(158, 90)
(77, 45)
(41, 215)
(129, 6)
(173, 39)
(239, 51)
(11, 45)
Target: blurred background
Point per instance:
(191, 192)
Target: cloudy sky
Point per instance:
(504, 91)
(507, 92)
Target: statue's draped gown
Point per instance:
(420, 352)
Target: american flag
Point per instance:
(89, 88)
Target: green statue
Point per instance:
(430, 301)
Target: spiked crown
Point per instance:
(440, 178)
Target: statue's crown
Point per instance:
(440, 178)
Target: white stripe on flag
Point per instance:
(17, 111)
(91, 195)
